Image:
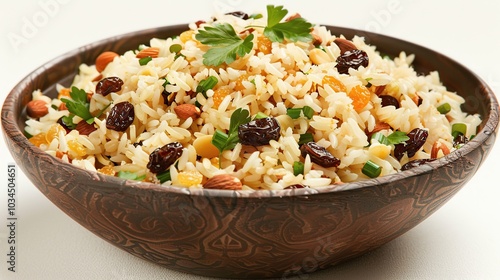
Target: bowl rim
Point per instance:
(11, 120)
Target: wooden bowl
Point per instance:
(242, 234)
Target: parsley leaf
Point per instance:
(397, 137)
(78, 104)
(228, 141)
(297, 29)
(225, 44)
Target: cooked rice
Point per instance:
(273, 82)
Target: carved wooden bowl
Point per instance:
(241, 234)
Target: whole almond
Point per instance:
(185, 111)
(37, 108)
(344, 45)
(151, 52)
(223, 182)
(104, 59)
(85, 128)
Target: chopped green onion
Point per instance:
(219, 139)
(308, 112)
(256, 16)
(175, 48)
(294, 113)
(444, 108)
(381, 138)
(143, 61)
(371, 169)
(306, 138)
(298, 168)
(130, 175)
(206, 84)
(165, 83)
(164, 176)
(458, 128)
(398, 137)
(260, 115)
(472, 137)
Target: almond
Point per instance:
(292, 17)
(85, 128)
(437, 147)
(37, 108)
(62, 106)
(151, 52)
(185, 111)
(223, 182)
(344, 45)
(104, 59)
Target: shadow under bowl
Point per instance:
(242, 234)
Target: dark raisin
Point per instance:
(388, 100)
(460, 140)
(137, 144)
(168, 97)
(109, 85)
(259, 132)
(64, 125)
(319, 155)
(162, 158)
(296, 186)
(121, 116)
(351, 59)
(239, 14)
(417, 139)
(415, 163)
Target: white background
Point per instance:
(460, 241)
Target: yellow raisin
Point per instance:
(264, 45)
(64, 93)
(77, 148)
(189, 178)
(334, 83)
(53, 132)
(219, 95)
(360, 96)
(107, 170)
(239, 82)
(186, 36)
(38, 140)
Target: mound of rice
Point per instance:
(268, 81)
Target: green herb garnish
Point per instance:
(130, 175)
(144, 61)
(306, 138)
(458, 129)
(260, 115)
(228, 141)
(371, 169)
(444, 108)
(225, 44)
(394, 138)
(295, 113)
(297, 29)
(78, 105)
(298, 168)
(206, 84)
(164, 176)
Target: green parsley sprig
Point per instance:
(79, 105)
(394, 138)
(297, 29)
(225, 44)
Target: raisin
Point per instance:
(109, 85)
(239, 14)
(259, 132)
(121, 116)
(415, 163)
(388, 100)
(296, 186)
(162, 158)
(460, 140)
(417, 139)
(351, 59)
(319, 155)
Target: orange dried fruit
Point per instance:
(334, 83)
(219, 95)
(189, 178)
(77, 148)
(53, 132)
(38, 140)
(264, 45)
(239, 82)
(107, 170)
(360, 96)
